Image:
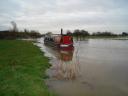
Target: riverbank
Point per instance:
(22, 69)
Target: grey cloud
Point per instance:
(50, 15)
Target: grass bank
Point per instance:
(22, 69)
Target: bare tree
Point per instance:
(15, 29)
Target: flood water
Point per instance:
(96, 67)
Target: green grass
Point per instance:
(22, 69)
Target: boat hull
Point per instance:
(58, 46)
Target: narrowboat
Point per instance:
(62, 41)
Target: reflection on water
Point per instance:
(66, 55)
(65, 67)
(93, 68)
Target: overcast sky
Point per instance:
(51, 15)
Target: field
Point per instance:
(22, 69)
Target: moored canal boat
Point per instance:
(62, 41)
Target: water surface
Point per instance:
(96, 67)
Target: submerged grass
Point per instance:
(22, 69)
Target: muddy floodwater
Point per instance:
(96, 67)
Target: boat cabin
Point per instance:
(60, 40)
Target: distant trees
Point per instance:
(124, 33)
(103, 34)
(19, 35)
(69, 32)
(14, 33)
(83, 34)
(80, 34)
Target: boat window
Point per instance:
(51, 39)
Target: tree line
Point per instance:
(14, 33)
(82, 34)
(7, 34)
(78, 32)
